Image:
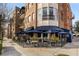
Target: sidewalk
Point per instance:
(9, 48)
(70, 49)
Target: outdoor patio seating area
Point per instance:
(38, 38)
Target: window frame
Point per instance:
(29, 18)
(48, 16)
(51, 16)
(33, 16)
(44, 11)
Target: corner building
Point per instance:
(48, 14)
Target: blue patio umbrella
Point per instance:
(62, 33)
(51, 31)
(20, 32)
(46, 28)
(34, 31)
(59, 30)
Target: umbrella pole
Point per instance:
(61, 40)
(42, 36)
(48, 36)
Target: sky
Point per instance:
(11, 6)
(74, 9)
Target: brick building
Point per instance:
(16, 22)
(35, 15)
(48, 14)
(66, 16)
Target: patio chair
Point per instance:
(54, 40)
(63, 40)
(34, 40)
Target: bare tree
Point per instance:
(3, 14)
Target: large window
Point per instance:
(29, 5)
(48, 13)
(45, 13)
(39, 14)
(51, 13)
(29, 18)
(33, 16)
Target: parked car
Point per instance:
(74, 34)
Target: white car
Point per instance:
(74, 34)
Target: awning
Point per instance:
(47, 28)
(62, 33)
(20, 32)
(44, 29)
(30, 28)
(34, 31)
(51, 31)
(65, 30)
(24, 31)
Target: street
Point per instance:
(11, 48)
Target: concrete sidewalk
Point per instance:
(70, 49)
(9, 48)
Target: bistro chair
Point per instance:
(63, 39)
(34, 39)
(54, 39)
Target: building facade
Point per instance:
(16, 22)
(8, 31)
(12, 26)
(48, 14)
(66, 16)
(35, 15)
(30, 15)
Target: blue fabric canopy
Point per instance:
(30, 28)
(51, 31)
(62, 32)
(42, 29)
(25, 31)
(21, 32)
(65, 30)
(34, 31)
(46, 28)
